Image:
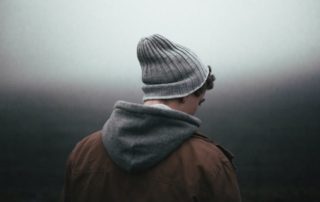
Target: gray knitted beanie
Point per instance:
(169, 70)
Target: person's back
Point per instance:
(152, 151)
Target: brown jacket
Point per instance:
(198, 170)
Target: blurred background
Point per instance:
(63, 64)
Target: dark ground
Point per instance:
(273, 131)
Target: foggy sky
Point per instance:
(83, 43)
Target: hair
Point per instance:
(208, 84)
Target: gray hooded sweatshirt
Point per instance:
(138, 137)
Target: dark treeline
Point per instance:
(273, 133)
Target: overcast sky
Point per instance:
(78, 42)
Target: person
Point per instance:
(153, 151)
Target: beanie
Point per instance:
(169, 70)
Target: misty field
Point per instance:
(274, 135)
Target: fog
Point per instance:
(63, 64)
(82, 43)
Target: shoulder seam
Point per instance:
(224, 151)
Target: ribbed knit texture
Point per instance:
(169, 70)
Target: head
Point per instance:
(172, 74)
(190, 103)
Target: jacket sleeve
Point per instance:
(219, 180)
(66, 192)
(225, 184)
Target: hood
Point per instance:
(138, 137)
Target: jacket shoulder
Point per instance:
(213, 144)
(89, 149)
(87, 142)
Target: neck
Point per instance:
(173, 104)
(153, 102)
